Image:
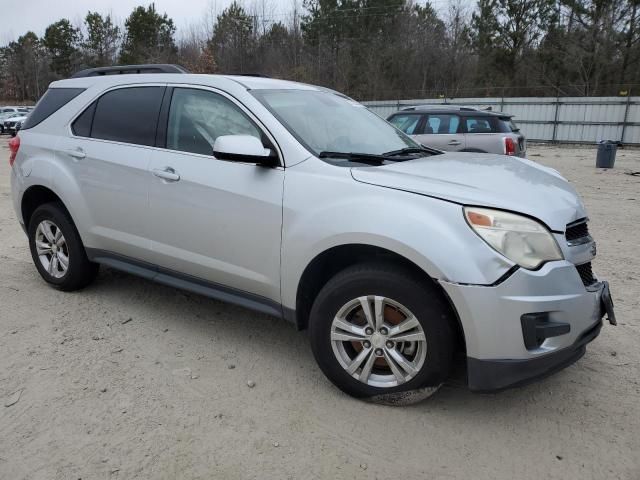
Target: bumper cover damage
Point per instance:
(499, 374)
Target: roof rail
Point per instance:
(261, 75)
(128, 69)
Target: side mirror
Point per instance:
(243, 148)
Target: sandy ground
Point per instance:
(129, 379)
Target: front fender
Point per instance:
(325, 208)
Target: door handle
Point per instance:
(166, 173)
(454, 142)
(77, 153)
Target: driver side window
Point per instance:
(198, 117)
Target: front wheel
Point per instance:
(378, 330)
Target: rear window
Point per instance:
(51, 102)
(509, 125)
(128, 115)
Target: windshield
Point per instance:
(327, 122)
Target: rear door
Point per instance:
(442, 131)
(108, 151)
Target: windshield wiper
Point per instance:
(410, 150)
(369, 158)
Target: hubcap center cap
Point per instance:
(377, 340)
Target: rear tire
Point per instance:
(409, 355)
(57, 249)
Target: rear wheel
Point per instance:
(378, 330)
(57, 250)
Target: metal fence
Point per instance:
(552, 119)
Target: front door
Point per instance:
(216, 220)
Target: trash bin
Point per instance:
(606, 154)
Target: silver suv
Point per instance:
(462, 129)
(298, 202)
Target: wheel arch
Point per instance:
(33, 197)
(331, 261)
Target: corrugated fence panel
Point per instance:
(563, 119)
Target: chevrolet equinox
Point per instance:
(299, 202)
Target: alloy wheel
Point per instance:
(378, 341)
(52, 249)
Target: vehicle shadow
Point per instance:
(276, 342)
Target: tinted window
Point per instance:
(480, 125)
(198, 117)
(51, 101)
(407, 123)
(128, 115)
(82, 125)
(442, 123)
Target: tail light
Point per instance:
(14, 145)
(509, 146)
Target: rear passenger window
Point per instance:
(198, 117)
(442, 123)
(51, 102)
(128, 115)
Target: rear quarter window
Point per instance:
(51, 102)
(484, 124)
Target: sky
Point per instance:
(20, 16)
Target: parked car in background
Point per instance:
(6, 112)
(14, 109)
(13, 123)
(296, 201)
(461, 129)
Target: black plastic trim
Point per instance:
(500, 374)
(187, 282)
(537, 327)
(163, 118)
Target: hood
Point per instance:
(499, 181)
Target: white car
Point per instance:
(13, 123)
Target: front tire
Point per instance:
(378, 330)
(57, 249)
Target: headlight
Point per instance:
(521, 239)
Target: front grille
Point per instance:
(10, 124)
(586, 274)
(576, 231)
